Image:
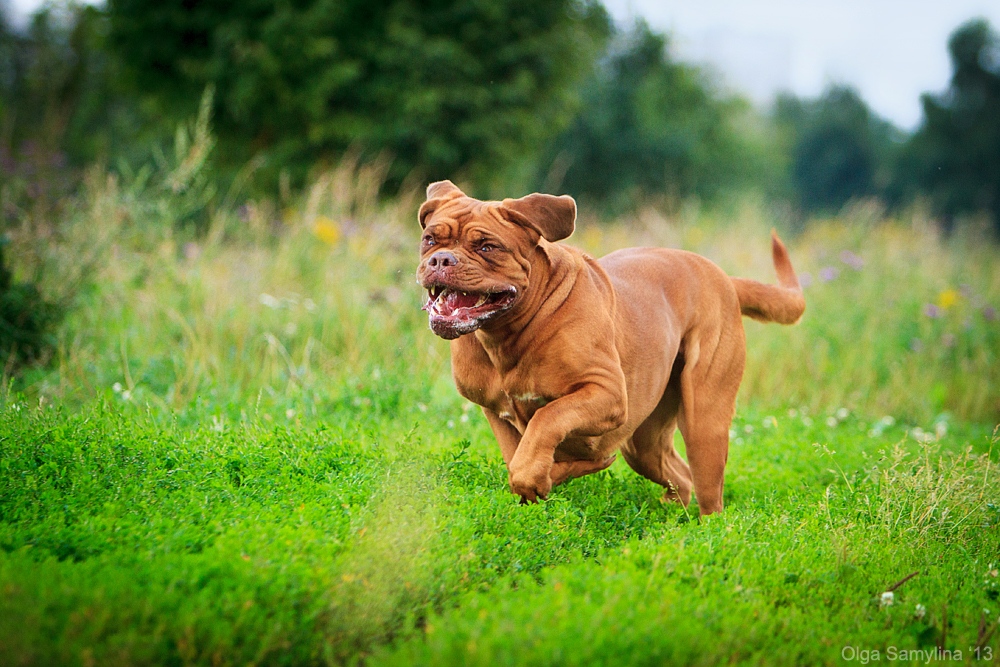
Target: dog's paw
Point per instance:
(531, 484)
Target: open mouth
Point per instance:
(455, 312)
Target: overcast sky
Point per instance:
(890, 50)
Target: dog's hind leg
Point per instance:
(709, 383)
(650, 451)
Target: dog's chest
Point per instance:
(518, 407)
(515, 402)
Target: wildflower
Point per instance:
(127, 395)
(270, 301)
(920, 611)
(947, 298)
(828, 273)
(831, 422)
(117, 387)
(931, 310)
(748, 429)
(916, 345)
(843, 413)
(290, 413)
(989, 313)
(852, 260)
(326, 230)
(948, 340)
(888, 598)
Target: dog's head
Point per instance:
(476, 256)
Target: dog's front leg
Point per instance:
(590, 411)
(507, 436)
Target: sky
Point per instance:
(891, 51)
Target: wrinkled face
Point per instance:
(473, 264)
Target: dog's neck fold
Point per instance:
(554, 271)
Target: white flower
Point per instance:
(270, 301)
(888, 598)
(920, 611)
(831, 421)
(117, 387)
(843, 413)
(127, 395)
(289, 413)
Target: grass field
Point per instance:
(248, 450)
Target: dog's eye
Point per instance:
(488, 247)
(428, 240)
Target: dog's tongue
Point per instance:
(452, 301)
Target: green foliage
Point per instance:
(257, 454)
(954, 158)
(27, 321)
(60, 94)
(445, 87)
(130, 539)
(839, 149)
(650, 126)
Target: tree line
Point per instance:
(506, 95)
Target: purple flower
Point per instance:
(828, 273)
(852, 260)
(916, 345)
(965, 290)
(931, 310)
(805, 279)
(989, 313)
(948, 340)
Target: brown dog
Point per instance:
(573, 359)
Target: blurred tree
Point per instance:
(954, 158)
(838, 148)
(443, 85)
(58, 86)
(650, 126)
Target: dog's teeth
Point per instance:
(465, 294)
(482, 300)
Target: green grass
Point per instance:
(249, 451)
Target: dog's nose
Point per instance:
(442, 259)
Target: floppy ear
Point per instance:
(552, 217)
(437, 193)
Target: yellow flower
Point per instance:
(326, 230)
(947, 299)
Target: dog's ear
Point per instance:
(437, 193)
(552, 217)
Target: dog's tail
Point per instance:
(782, 303)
